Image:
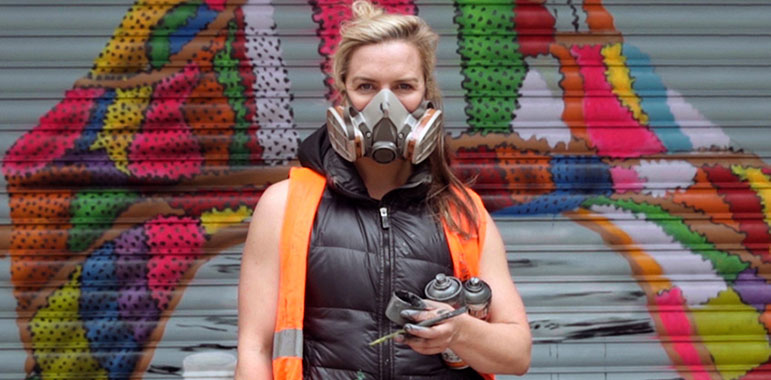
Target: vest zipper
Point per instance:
(386, 349)
(384, 218)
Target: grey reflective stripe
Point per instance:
(288, 343)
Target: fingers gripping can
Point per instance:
(477, 295)
(447, 289)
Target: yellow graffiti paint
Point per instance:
(644, 266)
(59, 340)
(123, 119)
(214, 220)
(126, 52)
(760, 183)
(733, 334)
(620, 79)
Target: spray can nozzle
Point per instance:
(442, 282)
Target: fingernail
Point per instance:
(413, 328)
(399, 338)
(409, 313)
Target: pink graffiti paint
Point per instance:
(675, 321)
(55, 134)
(625, 180)
(759, 373)
(217, 5)
(200, 202)
(611, 127)
(165, 147)
(329, 14)
(174, 243)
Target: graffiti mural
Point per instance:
(151, 164)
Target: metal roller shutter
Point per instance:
(622, 147)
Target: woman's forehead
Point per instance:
(392, 58)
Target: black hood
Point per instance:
(317, 154)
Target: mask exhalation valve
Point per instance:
(383, 151)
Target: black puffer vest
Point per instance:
(361, 251)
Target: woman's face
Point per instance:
(393, 65)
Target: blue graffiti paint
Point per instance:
(575, 180)
(107, 335)
(653, 96)
(95, 121)
(179, 38)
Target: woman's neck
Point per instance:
(382, 178)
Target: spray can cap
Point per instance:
(442, 282)
(445, 288)
(474, 284)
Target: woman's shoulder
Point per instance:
(273, 199)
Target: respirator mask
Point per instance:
(384, 130)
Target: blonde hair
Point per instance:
(372, 25)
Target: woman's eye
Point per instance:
(405, 86)
(365, 87)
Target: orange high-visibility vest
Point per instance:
(305, 190)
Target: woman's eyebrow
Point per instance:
(361, 78)
(369, 79)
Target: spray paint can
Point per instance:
(447, 289)
(477, 296)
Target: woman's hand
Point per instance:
(502, 343)
(435, 339)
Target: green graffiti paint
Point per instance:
(93, 213)
(159, 44)
(492, 65)
(726, 265)
(226, 65)
(59, 343)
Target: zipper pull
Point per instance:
(384, 218)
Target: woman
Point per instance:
(379, 229)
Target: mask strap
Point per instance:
(347, 107)
(424, 105)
